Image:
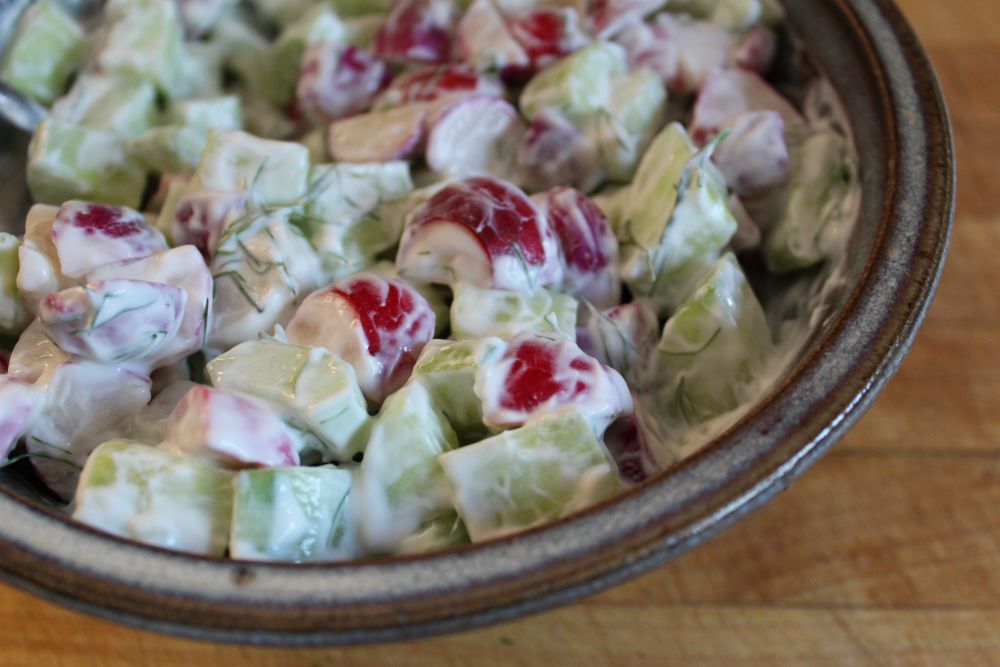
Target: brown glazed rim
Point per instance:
(407, 597)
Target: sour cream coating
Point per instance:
(413, 272)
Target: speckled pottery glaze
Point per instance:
(901, 127)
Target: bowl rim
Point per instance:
(474, 585)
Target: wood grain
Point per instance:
(887, 552)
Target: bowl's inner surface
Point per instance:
(891, 267)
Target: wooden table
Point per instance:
(886, 552)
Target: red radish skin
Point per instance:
(378, 326)
(337, 81)
(538, 373)
(531, 381)
(513, 235)
(547, 34)
(201, 216)
(89, 235)
(589, 247)
(107, 220)
(418, 31)
(387, 315)
(553, 152)
(427, 84)
(238, 431)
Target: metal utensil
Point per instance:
(20, 111)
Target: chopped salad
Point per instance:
(315, 280)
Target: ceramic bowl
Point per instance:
(900, 124)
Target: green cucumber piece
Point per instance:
(317, 391)
(817, 205)
(157, 497)
(576, 86)
(43, 52)
(545, 470)
(635, 112)
(292, 514)
(71, 162)
(274, 173)
(126, 107)
(13, 317)
(712, 351)
(400, 485)
(447, 369)
(477, 312)
(145, 41)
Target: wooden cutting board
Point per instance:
(887, 552)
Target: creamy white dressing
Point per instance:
(327, 320)
(262, 269)
(303, 516)
(288, 228)
(795, 316)
(232, 429)
(475, 136)
(147, 494)
(183, 268)
(442, 253)
(400, 485)
(605, 395)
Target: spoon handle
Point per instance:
(18, 110)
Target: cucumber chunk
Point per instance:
(577, 85)
(712, 350)
(545, 470)
(477, 312)
(43, 52)
(125, 107)
(145, 41)
(816, 205)
(317, 391)
(342, 217)
(292, 514)
(688, 233)
(275, 173)
(13, 316)
(156, 497)
(447, 369)
(71, 162)
(400, 486)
